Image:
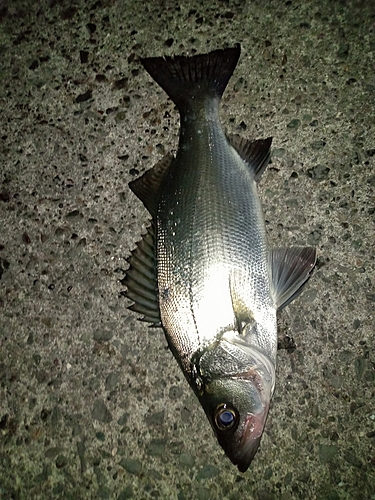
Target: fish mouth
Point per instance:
(250, 440)
(263, 380)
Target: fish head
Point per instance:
(234, 385)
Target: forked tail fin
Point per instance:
(193, 79)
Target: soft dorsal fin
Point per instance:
(141, 281)
(148, 186)
(256, 154)
(290, 270)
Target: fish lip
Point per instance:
(250, 440)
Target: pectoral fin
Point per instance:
(241, 310)
(290, 270)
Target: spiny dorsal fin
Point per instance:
(148, 186)
(141, 280)
(256, 154)
(290, 270)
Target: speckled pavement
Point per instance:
(92, 403)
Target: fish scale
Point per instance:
(209, 278)
(217, 229)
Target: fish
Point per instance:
(203, 271)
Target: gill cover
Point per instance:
(234, 384)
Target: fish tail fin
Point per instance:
(193, 79)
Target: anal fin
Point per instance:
(256, 154)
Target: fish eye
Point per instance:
(226, 417)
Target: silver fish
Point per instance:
(203, 271)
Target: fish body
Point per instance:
(204, 271)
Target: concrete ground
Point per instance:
(92, 403)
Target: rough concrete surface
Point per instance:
(92, 403)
